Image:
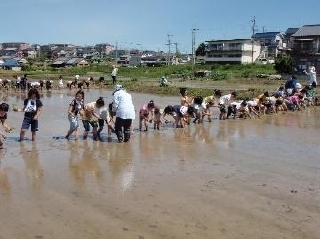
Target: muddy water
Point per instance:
(226, 179)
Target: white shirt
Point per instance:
(114, 72)
(252, 103)
(312, 75)
(224, 100)
(123, 105)
(104, 113)
(236, 104)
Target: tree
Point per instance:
(201, 50)
(283, 64)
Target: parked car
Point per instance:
(271, 61)
(262, 61)
(265, 61)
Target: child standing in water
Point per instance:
(32, 108)
(75, 106)
(104, 117)
(157, 118)
(146, 114)
(92, 117)
(4, 107)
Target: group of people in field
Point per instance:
(118, 114)
(191, 109)
(96, 114)
(22, 83)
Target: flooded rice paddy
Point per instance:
(225, 179)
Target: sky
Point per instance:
(148, 24)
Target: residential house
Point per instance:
(53, 51)
(85, 51)
(236, 51)
(270, 41)
(60, 62)
(124, 60)
(306, 47)
(10, 51)
(115, 54)
(135, 61)
(93, 57)
(83, 63)
(29, 53)
(11, 65)
(287, 43)
(18, 45)
(154, 60)
(104, 48)
(74, 61)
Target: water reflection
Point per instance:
(33, 168)
(121, 166)
(202, 134)
(83, 165)
(94, 162)
(5, 187)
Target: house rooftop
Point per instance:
(291, 30)
(229, 40)
(262, 35)
(10, 63)
(308, 30)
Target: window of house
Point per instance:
(235, 46)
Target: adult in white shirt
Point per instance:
(312, 75)
(123, 107)
(224, 103)
(114, 74)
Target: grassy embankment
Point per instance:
(241, 78)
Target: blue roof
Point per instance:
(291, 31)
(10, 63)
(263, 35)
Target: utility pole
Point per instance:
(193, 45)
(176, 44)
(116, 51)
(169, 48)
(253, 28)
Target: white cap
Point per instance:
(118, 87)
(298, 86)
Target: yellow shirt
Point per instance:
(89, 109)
(209, 99)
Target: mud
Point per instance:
(225, 179)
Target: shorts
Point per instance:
(144, 114)
(87, 123)
(279, 102)
(101, 123)
(74, 124)
(223, 108)
(27, 121)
